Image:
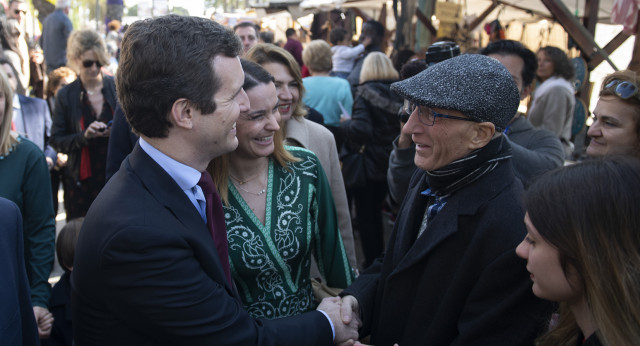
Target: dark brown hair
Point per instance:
(168, 58)
(66, 243)
(589, 213)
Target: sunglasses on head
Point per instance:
(623, 89)
(89, 63)
(19, 11)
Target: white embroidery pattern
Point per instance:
(270, 263)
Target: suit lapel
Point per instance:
(464, 202)
(167, 192)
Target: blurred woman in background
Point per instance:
(80, 121)
(553, 100)
(583, 250)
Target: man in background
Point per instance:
(247, 33)
(55, 32)
(293, 45)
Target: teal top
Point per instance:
(326, 94)
(270, 262)
(24, 179)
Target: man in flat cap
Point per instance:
(450, 275)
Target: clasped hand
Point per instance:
(344, 313)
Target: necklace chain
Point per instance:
(253, 193)
(242, 182)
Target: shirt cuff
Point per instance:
(333, 329)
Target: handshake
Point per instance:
(345, 316)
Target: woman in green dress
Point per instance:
(279, 211)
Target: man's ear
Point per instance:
(526, 91)
(182, 114)
(482, 134)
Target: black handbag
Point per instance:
(354, 169)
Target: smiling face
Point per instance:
(543, 262)
(438, 145)
(614, 130)
(217, 131)
(287, 87)
(256, 127)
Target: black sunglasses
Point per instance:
(89, 63)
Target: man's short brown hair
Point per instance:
(167, 58)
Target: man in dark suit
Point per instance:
(450, 275)
(147, 270)
(17, 322)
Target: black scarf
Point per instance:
(459, 173)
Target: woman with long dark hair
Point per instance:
(583, 250)
(553, 100)
(278, 209)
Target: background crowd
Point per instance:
(332, 140)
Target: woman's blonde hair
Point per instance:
(81, 41)
(7, 138)
(254, 75)
(263, 53)
(317, 56)
(377, 66)
(594, 228)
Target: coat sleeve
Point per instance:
(493, 310)
(359, 129)
(401, 168)
(66, 135)
(175, 302)
(48, 151)
(119, 142)
(555, 107)
(39, 228)
(348, 53)
(542, 152)
(330, 254)
(339, 194)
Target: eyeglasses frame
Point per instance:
(409, 107)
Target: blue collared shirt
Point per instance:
(186, 177)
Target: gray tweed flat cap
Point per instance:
(476, 85)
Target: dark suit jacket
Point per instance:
(146, 272)
(121, 142)
(17, 323)
(461, 283)
(37, 123)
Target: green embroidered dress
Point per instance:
(270, 262)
